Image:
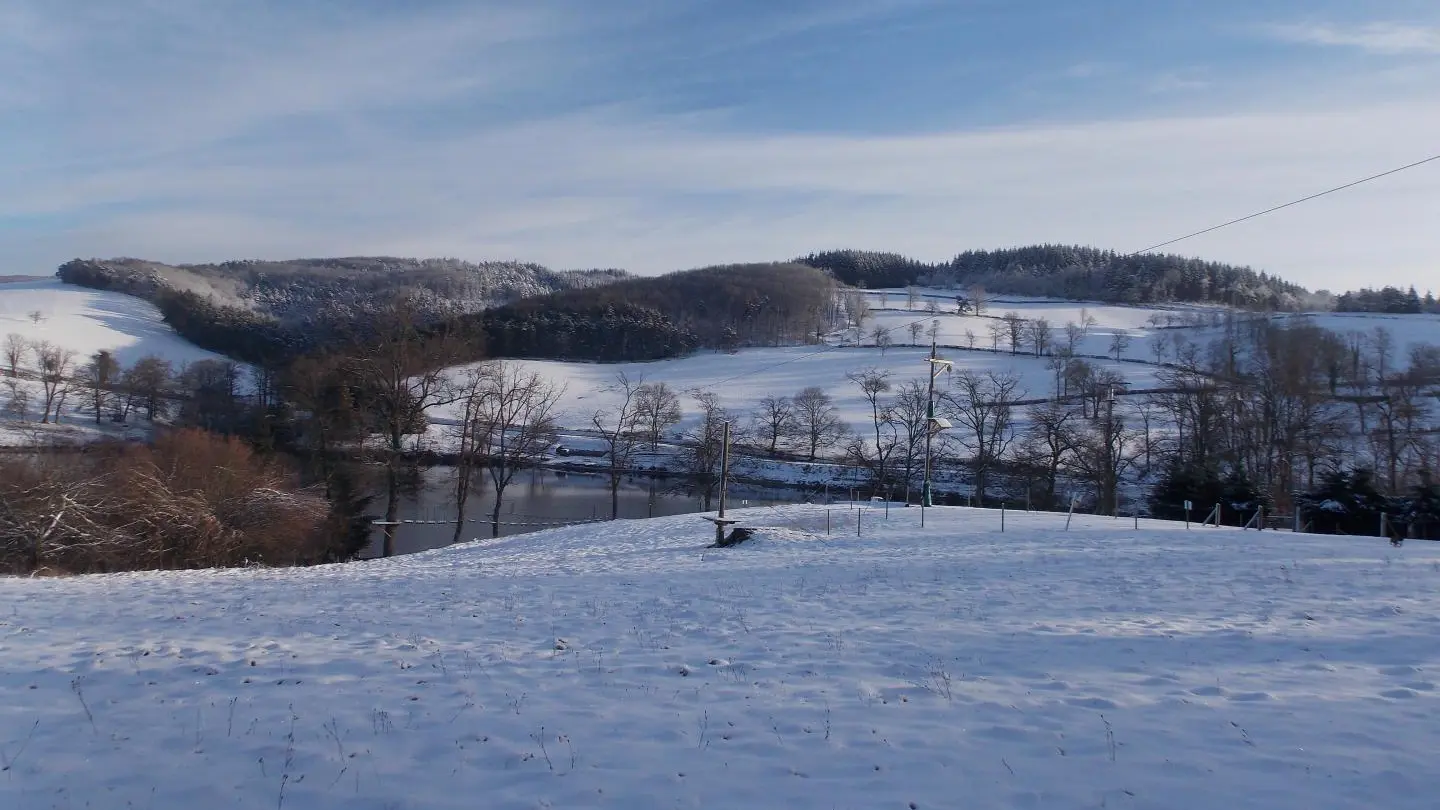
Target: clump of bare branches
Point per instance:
(192, 500)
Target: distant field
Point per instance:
(17, 279)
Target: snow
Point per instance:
(87, 321)
(742, 379)
(1197, 322)
(625, 666)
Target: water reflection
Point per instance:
(546, 497)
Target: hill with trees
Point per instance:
(727, 307)
(1073, 272)
(267, 311)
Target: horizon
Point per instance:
(671, 135)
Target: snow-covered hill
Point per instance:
(625, 666)
(87, 321)
(84, 321)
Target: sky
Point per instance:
(658, 135)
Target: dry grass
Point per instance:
(192, 500)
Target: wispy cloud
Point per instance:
(205, 131)
(1388, 38)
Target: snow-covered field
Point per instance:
(625, 666)
(742, 379)
(84, 321)
(87, 321)
(1143, 325)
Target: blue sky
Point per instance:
(663, 134)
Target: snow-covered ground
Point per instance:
(1143, 325)
(87, 321)
(625, 666)
(84, 321)
(742, 379)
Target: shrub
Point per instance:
(192, 500)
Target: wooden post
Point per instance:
(724, 474)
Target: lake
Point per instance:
(539, 497)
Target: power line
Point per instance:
(1249, 217)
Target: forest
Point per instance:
(1073, 272)
(1390, 300)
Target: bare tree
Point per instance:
(148, 382)
(858, 306)
(970, 338)
(1047, 444)
(1014, 329)
(875, 455)
(326, 410)
(818, 422)
(1074, 333)
(471, 391)
(705, 446)
(882, 338)
(15, 348)
(773, 422)
(932, 307)
(978, 300)
(1104, 450)
(998, 330)
(55, 364)
(1119, 342)
(639, 413)
(916, 330)
(399, 371)
(981, 407)
(515, 424)
(657, 409)
(18, 403)
(910, 413)
(1160, 349)
(1040, 335)
(912, 296)
(100, 376)
(36, 316)
(1382, 344)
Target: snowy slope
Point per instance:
(742, 379)
(624, 666)
(87, 321)
(1142, 324)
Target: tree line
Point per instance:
(1073, 272)
(1387, 299)
(621, 320)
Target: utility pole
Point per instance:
(932, 426)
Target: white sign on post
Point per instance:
(1189, 506)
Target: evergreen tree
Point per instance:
(1346, 502)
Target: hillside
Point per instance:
(307, 291)
(87, 321)
(266, 311)
(724, 307)
(46, 312)
(625, 666)
(1073, 272)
